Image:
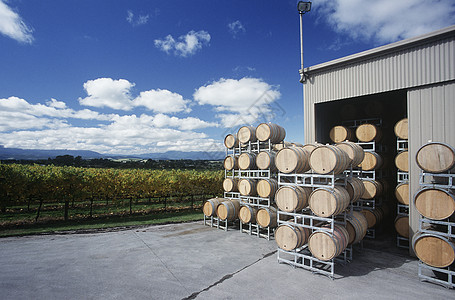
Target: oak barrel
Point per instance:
(292, 160)
(270, 131)
(354, 151)
(282, 145)
(436, 157)
(247, 214)
(326, 202)
(325, 245)
(328, 159)
(368, 133)
(267, 217)
(231, 141)
(357, 226)
(402, 193)
(247, 187)
(355, 188)
(435, 203)
(311, 147)
(209, 208)
(247, 161)
(402, 226)
(267, 187)
(266, 160)
(401, 129)
(401, 161)
(373, 189)
(228, 210)
(341, 133)
(289, 237)
(230, 185)
(246, 134)
(433, 249)
(291, 198)
(373, 216)
(231, 162)
(371, 161)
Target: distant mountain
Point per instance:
(34, 154)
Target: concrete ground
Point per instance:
(193, 261)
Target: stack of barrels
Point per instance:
(370, 162)
(435, 201)
(402, 188)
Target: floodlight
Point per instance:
(304, 6)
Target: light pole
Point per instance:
(303, 7)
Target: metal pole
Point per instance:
(301, 41)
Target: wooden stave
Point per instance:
(266, 160)
(341, 133)
(339, 238)
(276, 133)
(371, 161)
(449, 242)
(247, 210)
(401, 224)
(355, 188)
(265, 184)
(231, 141)
(401, 129)
(339, 200)
(300, 163)
(354, 151)
(270, 213)
(368, 133)
(302, 195)
(232, 207)
(401, 161)
(434, 146)
(246, 134)
(210, 206)
(301, 235)
(372, 185)
(247, 189)
(310, 147)
(230, 185)
(402, 193)
(360, 225)
(230, 162)
(443, 213)
(321, 163)
(247, 161)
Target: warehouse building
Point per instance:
(413, 78)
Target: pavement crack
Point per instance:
(162, 262)
(226, 277)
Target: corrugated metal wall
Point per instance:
(431, 114)
(415, 66)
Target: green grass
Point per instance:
(104, 223)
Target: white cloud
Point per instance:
(12, 25)
(386, 20)
(162, 101)
(107, 92)
(185, 45)
(140, 20)
(190, 123)
(235, 28)
(239, 101)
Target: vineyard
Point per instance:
(35, 193)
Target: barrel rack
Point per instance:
(302, 257)
(446, 276)
(402, 209)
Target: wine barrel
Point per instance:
(247, 214)
(401, 161)
(433, 249)
(247, 187)
(371, 161)
(402, 193)
(209, 208)
(231, 141)
(401, 129)
(289, 237)
(265, 160)
(325, 245)
(355, 188)
(328, 159)
(269, 131)
(231, 162)
(246, 134)
(373, 189)
(340, 133)
(230, 185)
(402, 226)
(356, 226)
(326, 202)
(435, 203)
(247, 161)
(292, 160)
(267, 217)
(228, 210)
(368, 133)
(436, 158)
(267, 187)
(282, 145)
(311, 147)
(291, 198)
(296, 144)
(373, 216)
(354, 151)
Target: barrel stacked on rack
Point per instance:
(435, 200)
(402, 188)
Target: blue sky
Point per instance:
(130, 77)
